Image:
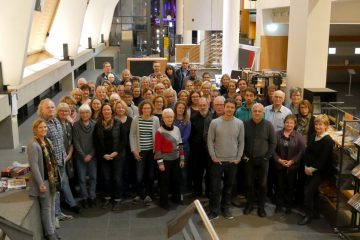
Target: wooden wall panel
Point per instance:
(182, 49)
(273, 52)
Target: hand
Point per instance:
(161, 167)
(182, 164)
(289, 163)
(108, 157)
(137, 155)
(42, 188)
(68, 157)
(308, 171)
(235, 161)
(87, 158)
(216, 160)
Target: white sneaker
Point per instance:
(147, 200)
(57, 223)
(64, 217)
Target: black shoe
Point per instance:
(106, 204)
(92, 202)
(84, 204)
(212, 216)
(288, 210)
(227, 214)
(248, 209)
(305, 220)
(278, 209)
(75, 209)
(261, 212)
(116, 206)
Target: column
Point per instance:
(179, 17)
(187, 37)
(201, 40)
(15, 27)
(231, 28)
(309, 27)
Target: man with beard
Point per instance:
(198, 152)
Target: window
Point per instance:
(357, 50)
(332, 50)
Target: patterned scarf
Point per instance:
(107, 125)
(303, 124)
(51, 166)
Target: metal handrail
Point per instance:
(13, 231)
(179, 222)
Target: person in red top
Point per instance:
(169, 155)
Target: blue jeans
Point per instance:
(185, 171)
(113, 177)
(145, 172)
(47, 211)
(89, 168)
(65, 191)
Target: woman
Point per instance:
(101, 93)
(242, 85)
(305, 120)
(169, 156)
(71, 102)
(125, 75)
(159, 103)
(295, 96)
(44, 180)
(189, 85)
(159, 89)
(110, 90)
(113, 81)
(137, 99)
(231, 90)
(111, 152)
(121, 113)
(86, 94)
(238, 100)
(206, 90)
(77, 95)
(147, 94)
(121, 90)
(194, 103)
(170, 73)
(287, 157)
(62, 113)
(166, 82)
(85, 156)
(127, 85)
(224, 81)
(182, 121)
(95, 105)
(142, 137)
(183, 95)
(144, 82)
(318, 167)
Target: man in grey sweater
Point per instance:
(225, 145)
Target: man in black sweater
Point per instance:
(260, 142)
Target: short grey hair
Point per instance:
(295, 90)
(168, 110)
(85, 108)
(258, 105)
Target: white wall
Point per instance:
(15, 25)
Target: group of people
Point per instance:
(122, 135)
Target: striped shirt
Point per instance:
(145, 133)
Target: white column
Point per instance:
(92, 22)
(107, 20)
(15, 27)
(187, 37)
(309, 26)
(200, 39)
(179, 17)
(231, 28)
(66, 28)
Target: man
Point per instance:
(244, 112)
(206, 77)
(133, 110)
(276, 112)
(81, 82)
(181, 74)
(193, 73)
(198, 153)
(104, 76)
(225, 144)
(260, 142)
(46, 111)
(157, 72)
(218, 112)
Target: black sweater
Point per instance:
(320, 155)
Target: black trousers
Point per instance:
(145, 173)
(311, 194)
(113, 176)
(218, 196)
(198, 163)
(170, 178)
(256, 171)
(285, 186)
